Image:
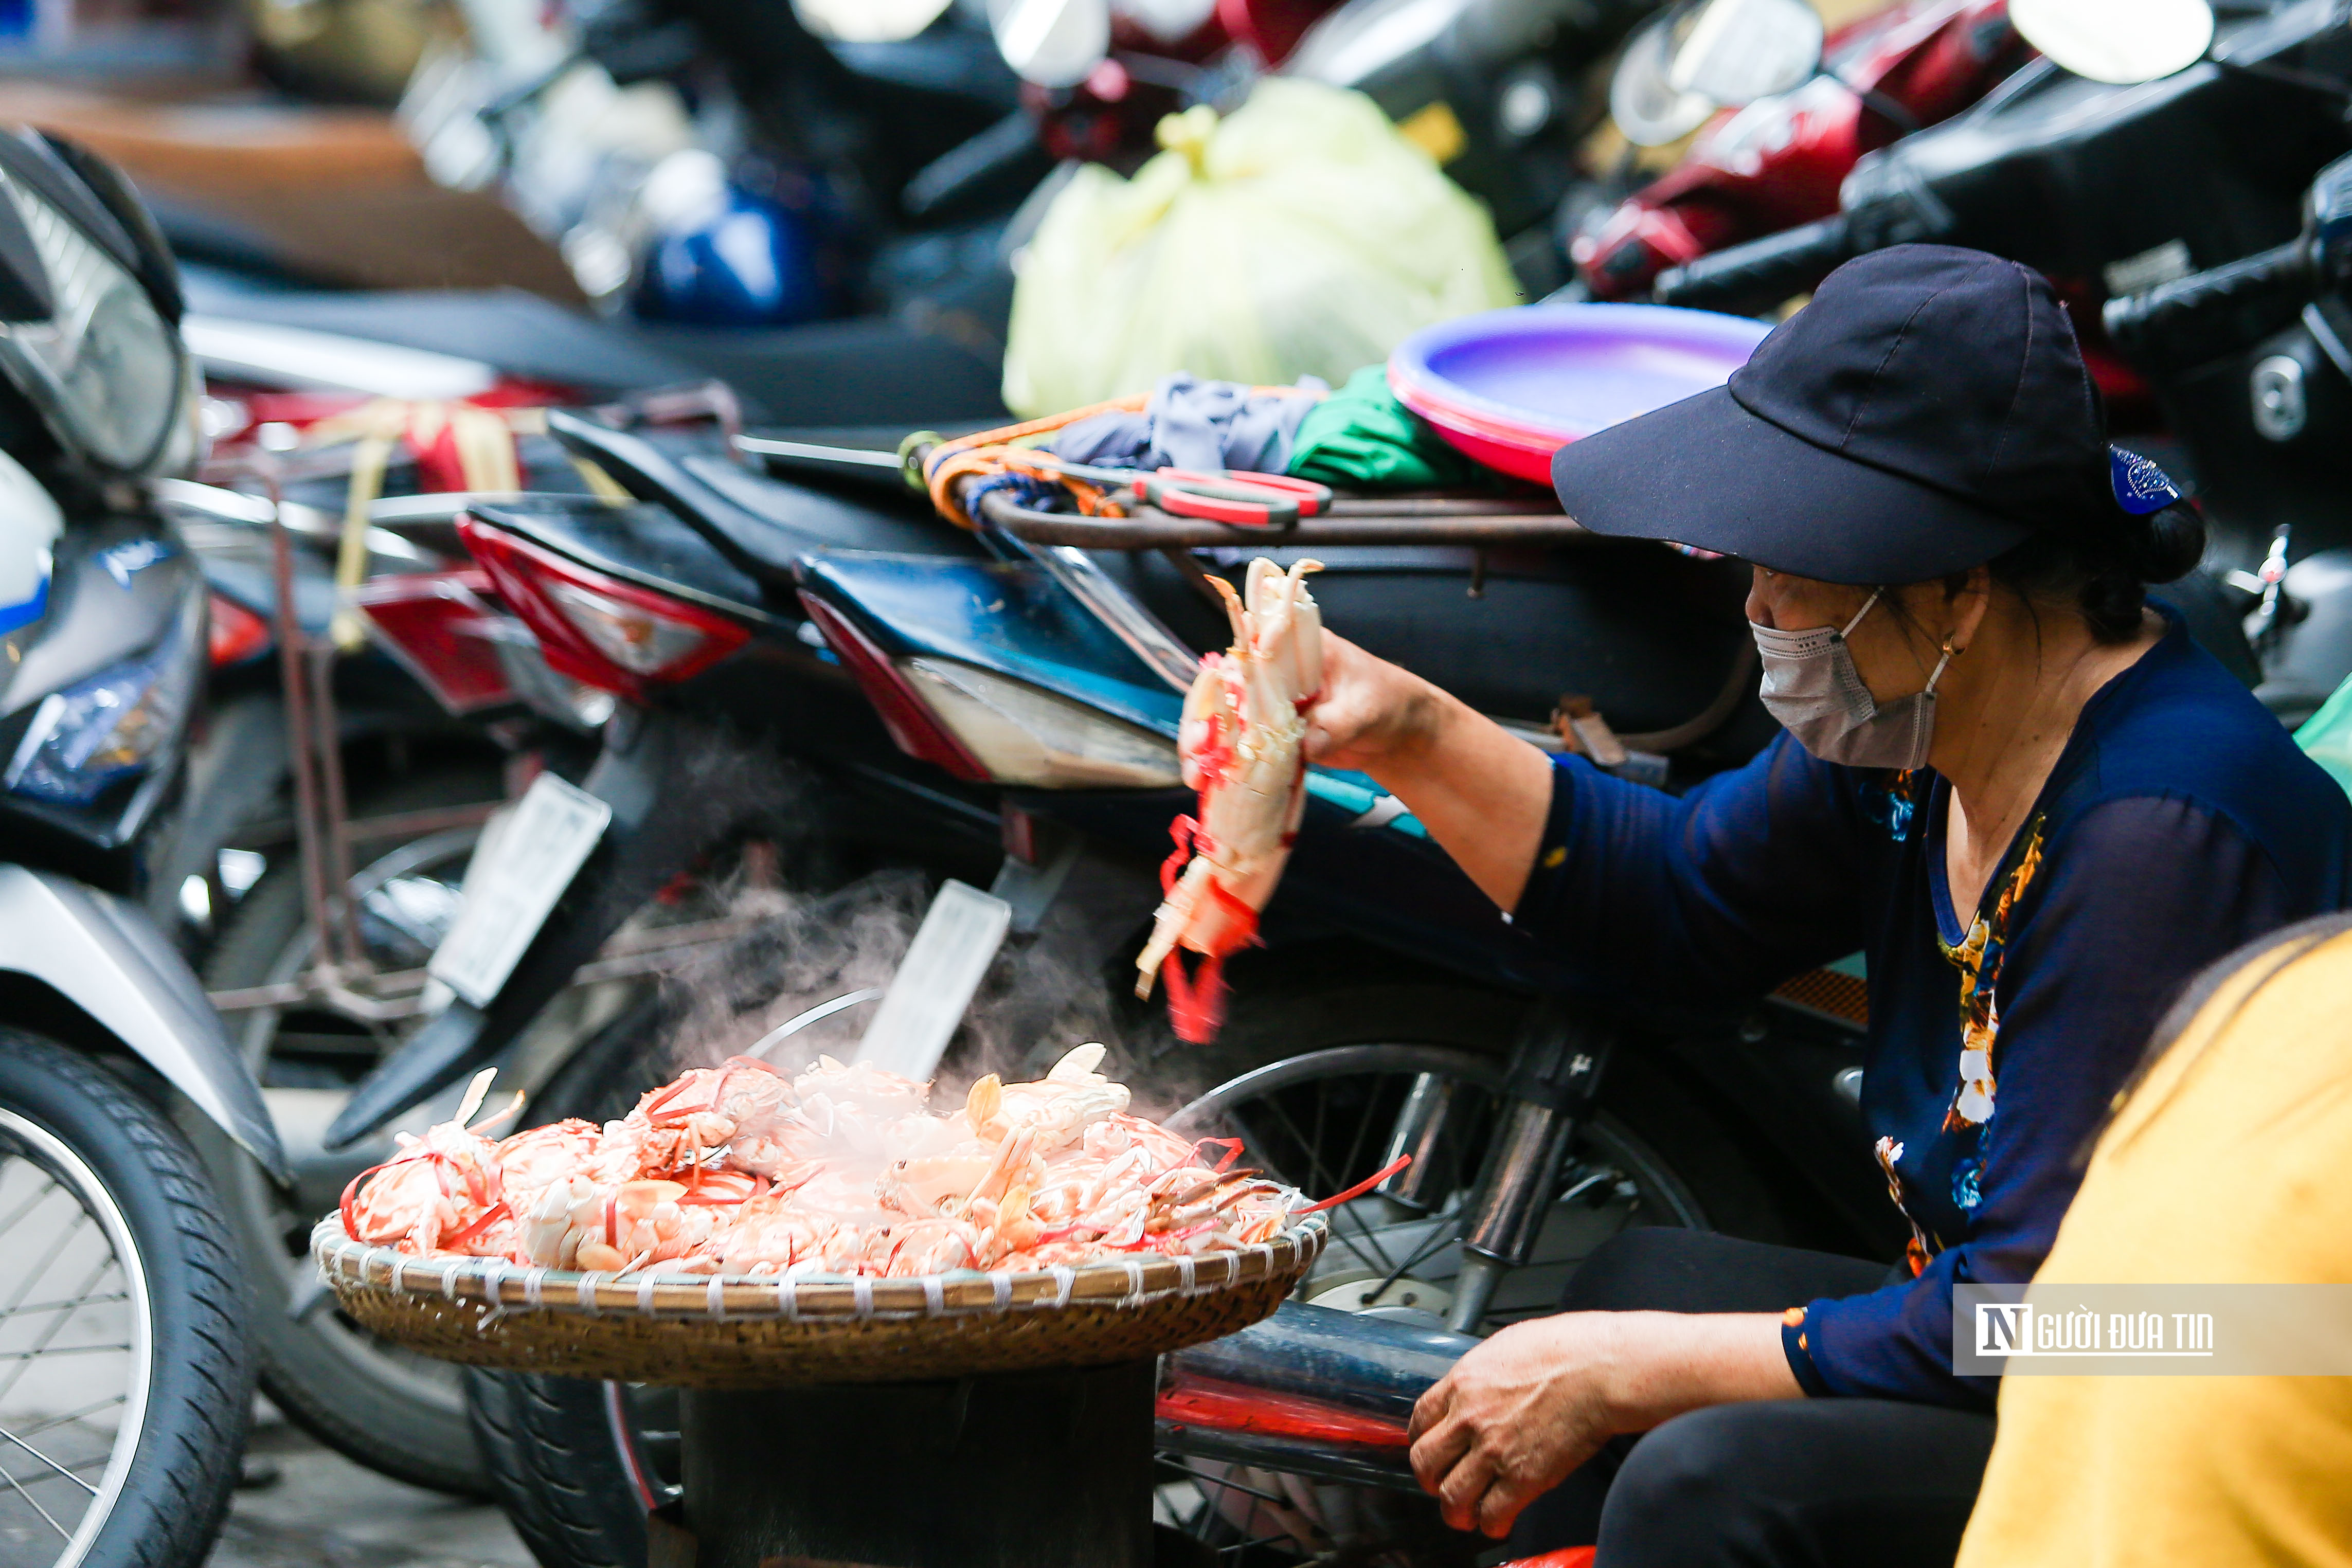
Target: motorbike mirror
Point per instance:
(1648, 108)
(1737, 51)
(2122, 41)
(1053, 43)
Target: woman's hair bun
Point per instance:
(2103, 564)
(2167, 545)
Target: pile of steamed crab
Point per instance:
(743, 1169)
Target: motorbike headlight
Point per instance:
(98, 732)
(105, 371)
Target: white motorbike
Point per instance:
(125, 1375)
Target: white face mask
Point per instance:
(1812, 687)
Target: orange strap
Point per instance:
(987, 452)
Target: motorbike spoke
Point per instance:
(69, 1304)
(45, 1459)
(71, 1417)
(18, 1487)
(1207, 1517)
(1199, 1480)
(1380, 1254)
(1209, 1514)
(24, 1359)
(1363, 1125)
(1439, 1237)
(40, 1270)
(1322, 1109)
(1316, 1173)
(1348, 1166)
(1322, 1175)
(48, 1185)
(1376, 1258)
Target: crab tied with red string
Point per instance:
(1242, 745)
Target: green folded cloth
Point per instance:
(1363, 438)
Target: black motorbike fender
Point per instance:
(675, 787)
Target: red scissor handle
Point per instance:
(1248, 500)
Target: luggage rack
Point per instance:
(1477, 521)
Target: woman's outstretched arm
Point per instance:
(1482, 792)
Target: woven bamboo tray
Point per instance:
(737, 1332)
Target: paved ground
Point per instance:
(323, 1511)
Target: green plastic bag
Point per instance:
(2326, 736)
(1299, 235)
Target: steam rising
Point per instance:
(805, 949)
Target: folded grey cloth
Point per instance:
(1193, 423)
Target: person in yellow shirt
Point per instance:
(2229, 1163)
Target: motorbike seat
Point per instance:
(842, 523)
(763, 525)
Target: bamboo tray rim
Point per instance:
(1121, 1284)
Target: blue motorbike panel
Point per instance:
(1009, 618)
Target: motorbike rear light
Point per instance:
(1024, 735)
(913, 727)
(441, 629)
(638, 639)
(237, 634)
(598, 630)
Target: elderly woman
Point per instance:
(2022, 791)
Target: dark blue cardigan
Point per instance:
(2179, 822)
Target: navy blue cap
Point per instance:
(1927, 412)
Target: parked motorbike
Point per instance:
(335, 785)
(418, 769)
(2194, 155)
(2249, 361)
(739, 166)
(131, 1375)
(1777, 162)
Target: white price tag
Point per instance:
(518, 872)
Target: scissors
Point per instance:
(1244, 499)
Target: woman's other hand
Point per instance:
(1528, 1406)
(1514, 1417)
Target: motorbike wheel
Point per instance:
(396, 1412)
(128, 1381)
(1312, 1081)
(567, 1459)
(1313, 1086)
